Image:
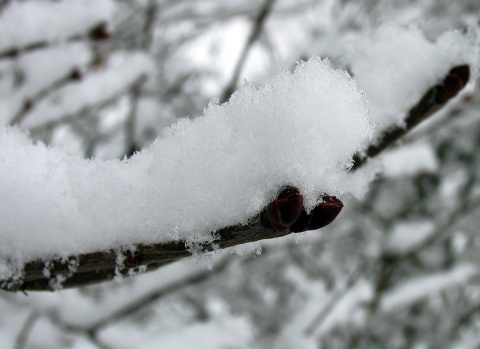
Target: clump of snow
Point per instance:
(222, 331)
(396, 65)
(452, 185)
(407, 235)
(410, 159)
(300, 129)
(40, 20)
(426, 286)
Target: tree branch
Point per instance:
(435, 98)
(283, 216)
(254, 34)
(96, 33)
(128, 88)
(22, 336)
(30, 102)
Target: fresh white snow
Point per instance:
(300, 129)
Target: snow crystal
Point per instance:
(300, 129)
(396, 65)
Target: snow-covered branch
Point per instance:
(282, 216)
(433, 100)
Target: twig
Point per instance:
(101, 266)
(448, 221)
(96, 32)
(333, 302)
(131, 307)
(96, 106)
(22, 336)
(435, 98)
(153, 296)
(129, 127)
(389, 264)
(382, 282)
(151, 11)
(30, 102)
(254, 35)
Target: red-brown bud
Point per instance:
(453, 83)
(285, 209)
(76, 74)
(100, 32)
(322, 215)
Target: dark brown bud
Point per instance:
(453, 83)
(462, 72)
(27, 105)
(100, 32)
(76, 74)
(322, 215)
(284, 210)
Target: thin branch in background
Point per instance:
(30, 102)
(390, 262)
(89, 108)
(97, 32)
(3, 4)
(464, 209)
(22, 336)
(381, 284)
(257, 29)
(435, 98)
(93, 338)
(151, 12)
(131, 146)
(333, 302)
(132, 307)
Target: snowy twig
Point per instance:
(30, 102)
(254, 35)
(151, 12)
(381, 284)
(130, 308)
(389, 263)
(101, 266)
(97, 32)
(447, 222)
(92, 330)
(96, 106)
(333, 302)
(22, 337)
(435, 98)
(130, 144)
